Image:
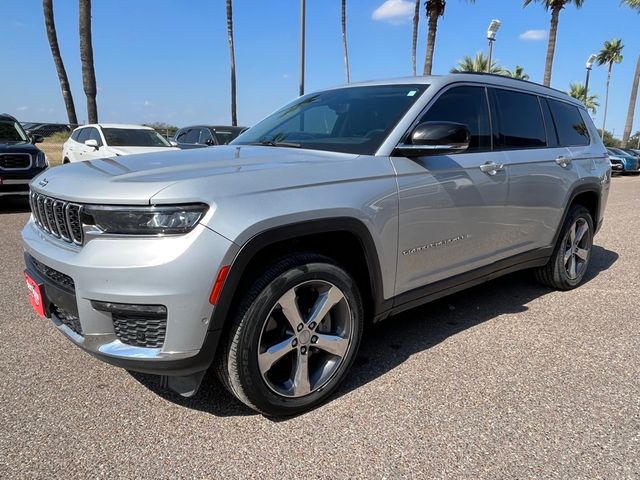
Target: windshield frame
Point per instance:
(266, 132)
(21, 132)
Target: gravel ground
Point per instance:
(507, 380)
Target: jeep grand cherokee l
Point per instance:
(263, 258)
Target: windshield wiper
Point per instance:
(271, 143)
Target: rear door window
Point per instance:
(572, 131)
(519, 121)
(468, 106)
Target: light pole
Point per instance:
(590, 60)
(302, 37)
(491, 36)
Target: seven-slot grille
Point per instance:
(57, 217)
(16, 161)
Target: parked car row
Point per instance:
(45, 129)
(624, 160)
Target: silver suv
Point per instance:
(264, 258)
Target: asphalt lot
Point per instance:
(507, 380)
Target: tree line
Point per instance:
(610, 54)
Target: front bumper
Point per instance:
(14, 182)
(176, 272)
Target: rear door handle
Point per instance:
(491, 168)
(563, 161)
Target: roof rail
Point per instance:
(506, 76)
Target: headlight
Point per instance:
(152, 220)
(42, 160)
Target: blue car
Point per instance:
(623, 162)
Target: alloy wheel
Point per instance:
(576, 248)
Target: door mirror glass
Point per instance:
(436, 138)
(92, 142)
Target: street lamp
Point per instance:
(494, 26)
(590, 60)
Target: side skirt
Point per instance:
(428, 293)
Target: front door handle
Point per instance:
(563, 161)
(491, 168)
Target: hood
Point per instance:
(136, 150)
(18, 148)
(194, 175)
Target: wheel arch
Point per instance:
(587, 195)
(321, 236)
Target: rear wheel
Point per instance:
(570, 259)
(294, 337)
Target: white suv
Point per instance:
(109, 140)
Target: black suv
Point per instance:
(206, 135)
(20, 159)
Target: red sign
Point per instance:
(35, 295)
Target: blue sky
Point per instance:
(161, 60)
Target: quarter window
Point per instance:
(520, 123)
(572, 131)
(468, 106)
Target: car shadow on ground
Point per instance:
(14, 205)
(388, 344)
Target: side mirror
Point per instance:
(37, 139)
(436, 138)
(173, 143)
(92, 142)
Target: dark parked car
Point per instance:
(206, 135)
(20, 159)
(46, 129)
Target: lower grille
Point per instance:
(140, 331)
(67, 319)
(59, 278)
(17, 161)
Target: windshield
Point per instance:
(129, 137)
(11, 132)
(349, 120)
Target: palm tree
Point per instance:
(49, 21)
(477, 64)
(611, 53)
(232, 63)
(578, 90)
(344, 39)
(517, 72)
(635, 4)
(435, 9)
(414, 44)
(555, 6)
(86, 57)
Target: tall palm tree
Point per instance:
(86, 57)
(414, 44)
(477, 64)
(434, 9)
(635, 4)
(578, 90)
(232, 63)
(49, 21)
(555, 6)
(611, 53)
(344, 38)
(517, 72)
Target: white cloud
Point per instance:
(285, 76)
(22, 109)
(533, 35)
(394, 11)
(147, 103)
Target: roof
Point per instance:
(472, 77)
(127, 126)
(6, 116)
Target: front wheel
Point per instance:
(568, 263)
(294, 337)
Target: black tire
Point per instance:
(65, 161)
(237, 363)
(555, 273)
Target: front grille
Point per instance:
(59, 278)
(15, 161)
(139, 331)
(67, 319)
(57, 217)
